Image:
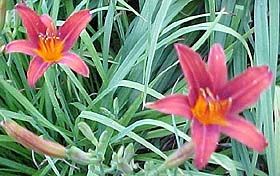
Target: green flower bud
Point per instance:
(77, 155)
(87, 132)
(103, 139)
(120, 152)
(116, 106)
(128, 152)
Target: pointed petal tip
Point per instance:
(200, 164)
(269, 74)
(262, 144)
(270, 77)
(261, 150)
(149, 105)
(217, 46)
(31, 80)
(20, 6)
(85, 14)
(261, 69)
(7, 48)
(180, 46)
(84, 70)
(217, 49)
(265, 67)
(31, 83)
(183, 49)
(86, 73)
(86, 11)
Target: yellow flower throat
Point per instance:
(50, 47)
(210, 110)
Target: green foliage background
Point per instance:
(128, 47)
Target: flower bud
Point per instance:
(120, 152)
(87, 132)
(77, 155)
(32, 141)
(128, 152)
(103, 141)
(180, 155)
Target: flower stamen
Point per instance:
(50, 47)
(210, 110)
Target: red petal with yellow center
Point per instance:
(217, 67)
(244, 132)
(31, 22)
(205, 138)
(194, 70)
(246, 88)
(73, 26)
(172, 104)
(20, 46)
(36, 69)
(74, 61)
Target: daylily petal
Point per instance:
(205, 138)
(217, 67)
(173, 104)
(73, 26)
(246, 88)
(36, 69)
(74, 61)
(46, 19)
(194, 70)
(20, 46)
(32, 22)
(245, 132)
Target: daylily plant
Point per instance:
(48, 45)
(213, 103)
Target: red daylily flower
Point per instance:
(48, 45)
(213, 103)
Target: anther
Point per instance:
(203, 92)
(209, 93)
